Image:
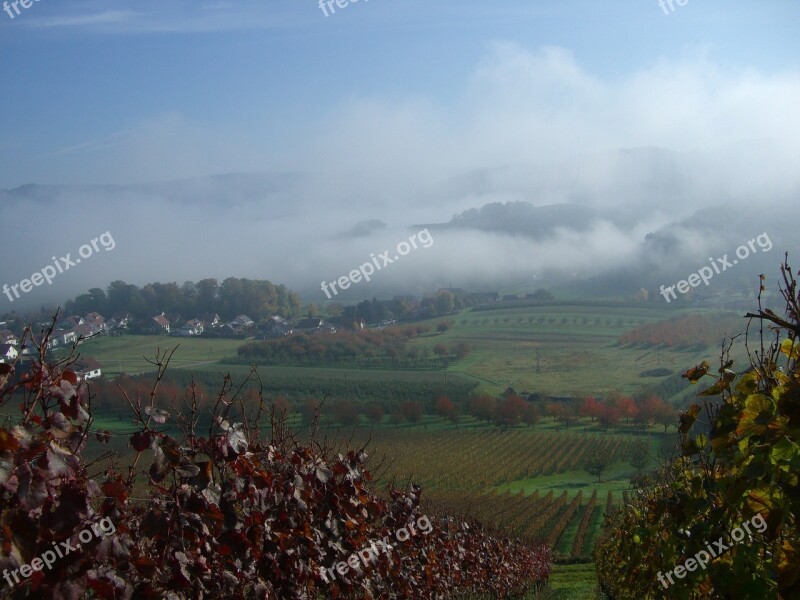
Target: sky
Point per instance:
(403, 111)
(120, 92)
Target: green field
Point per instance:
(130, 353)
(578, 354)
(555, 350)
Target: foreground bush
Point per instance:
(221, 515)
(737, 478)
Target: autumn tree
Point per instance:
(310, 411)
(396, 417)
(555, 410)
(461, 350)
(345, 413)
(411, 411)
(446, 409)
(374, 412)
(482, 408)
(281, 405)
(627, 408)
(530, 416)
(510, 411)
(609, 416)
(597, 464)
(591, 408)
(443, 326)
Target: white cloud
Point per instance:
(529, 125)
(106, 17)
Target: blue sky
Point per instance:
(89, 87)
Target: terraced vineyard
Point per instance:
(459, 471)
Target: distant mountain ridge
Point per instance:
(523, 218)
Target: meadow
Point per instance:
(568, 349)
(526, 482)
(558, 350)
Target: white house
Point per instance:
(87, 368)
(8, 353)
(65, 337)
(191, 328)
(6, 337)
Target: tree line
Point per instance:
(388, 347)
(258, 299)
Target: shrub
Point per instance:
(741, 464)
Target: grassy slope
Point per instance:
(574, 357)
(128, 353)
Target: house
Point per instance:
(275, 328)
(480, 297)
(277, 331)
(6, 337)
(174, 318)
(63, 338)
(159, 324)
(230, 330)
(209, 319)
(511, 297)
(8, 353)
(191, 328)
(86, 368)
(324, 328)
(87, 330)
(97, 320)
(120, 321)
(455, 291)
(308, 325)
(70, 322)
(197, 325)
(243, 321)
